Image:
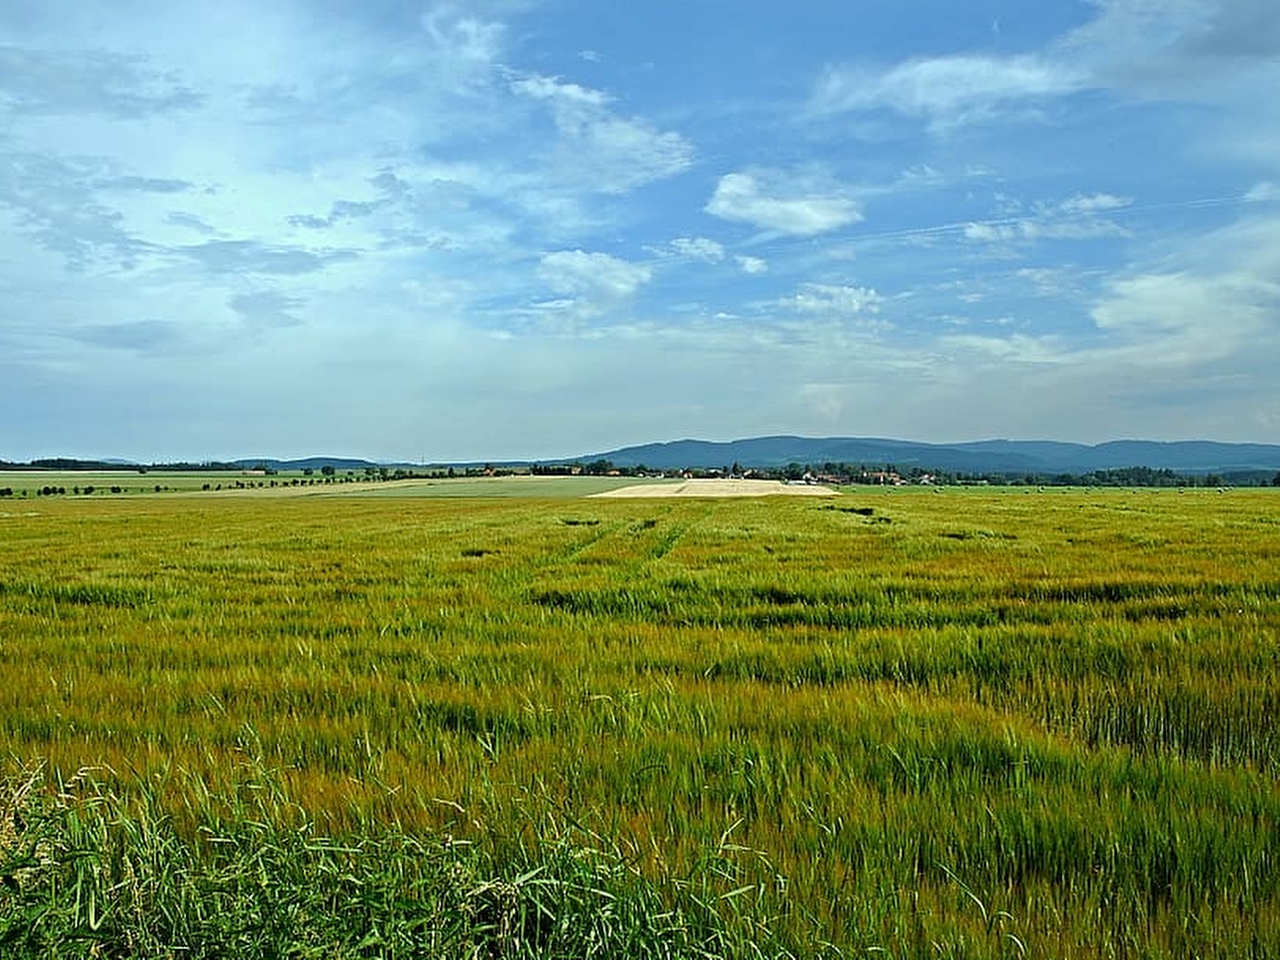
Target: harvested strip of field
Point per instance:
(720, 488)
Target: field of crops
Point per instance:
(29, 485)
(958, 723)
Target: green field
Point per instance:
(914, 724)
(28, 482)
(25, 484)
(521, 487)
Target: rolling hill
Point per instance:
(986, 456)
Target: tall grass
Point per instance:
(959, 724)
(88, 873)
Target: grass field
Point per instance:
(24, 485)
(28, 482)
(954, 724)
(519, 487)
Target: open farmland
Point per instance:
(956, 723)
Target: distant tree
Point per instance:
(307, 471)
(1275, 481)
(327, 470)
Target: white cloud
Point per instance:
(833, 300)
(945, 90)
(697, 248)
(920, 176)
(593, 276)
(752, 265)
(773, 201)
(1046, 281)
(1219, 304)
(574, 106)
(463, 47)
(1193, 49)
(1032, 230)
(1098, 202)
(597, 149)
(990, 232)
(1198, 316)
(1076, 218)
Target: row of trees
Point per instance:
(51, 491)
(827, 472)
(1119, 477)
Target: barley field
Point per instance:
(953, 723)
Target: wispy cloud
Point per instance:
(248, 257)
(1077, 218)
(56, 82)
(946, 91)
(1031, 230)
(137, 335)
(692, 248)
(270, 308)
(598, 148)
(54, 201)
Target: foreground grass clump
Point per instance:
(85, 873)
(953, 724)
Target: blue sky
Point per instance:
(476, 230)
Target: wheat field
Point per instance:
(960, 723)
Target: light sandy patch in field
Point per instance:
(720, 488)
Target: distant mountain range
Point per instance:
(980, 457)
(1016, 457)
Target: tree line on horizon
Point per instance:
(839, 473)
